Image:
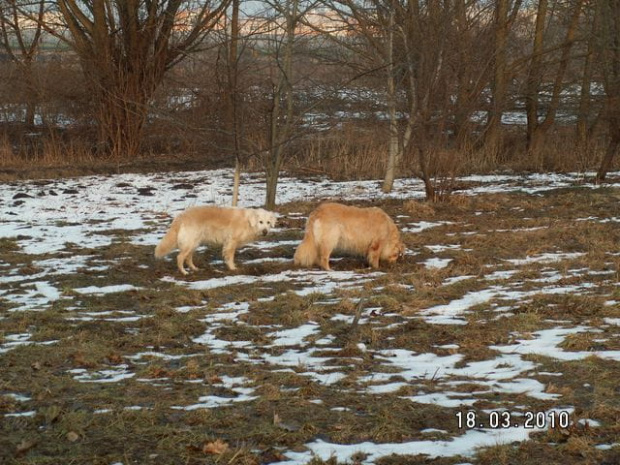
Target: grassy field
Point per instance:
(495, 341)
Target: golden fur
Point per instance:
(361, 231)
(228, 227)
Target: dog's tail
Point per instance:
(306, 253)
(168, 242)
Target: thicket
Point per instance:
(419, 87)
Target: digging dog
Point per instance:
(368, 232)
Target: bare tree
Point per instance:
(20, 37)
(537, 130)
(395, 146)
(264, 118)
(609, 58)
(534, 76)
(281, 114)
(125, 48)
(416, 42)
(505, 14)
(272, 113)
(584, 126)
(378, 23)
(470, 67)
(232, 101)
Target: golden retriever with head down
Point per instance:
(226, 226)
(362, 231)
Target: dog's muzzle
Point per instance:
(265, 231)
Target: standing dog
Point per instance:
(362, 231)
(228, 227)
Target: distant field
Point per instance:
(496, 341)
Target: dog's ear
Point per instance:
(253, 218)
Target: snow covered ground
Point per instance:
(50, 219)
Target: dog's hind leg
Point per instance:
(326, 240)
(190, 261)
(187, 242)
(324, 253)
(182, 257)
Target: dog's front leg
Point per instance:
(228, 253)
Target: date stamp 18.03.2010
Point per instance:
(504, 419)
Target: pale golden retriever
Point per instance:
(226, 226)
(361, 231)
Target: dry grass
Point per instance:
(351, 150)
(41, 151)
(355, 152)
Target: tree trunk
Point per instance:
(232, 110)
(493, 137)
(281, 125)
(271, 190)
(610, 153)
(236, 182)
(32, 94)
(425, 175)
(582, 126)
(540, 130)
(462, 112)
(393, 143)
(17, 35)
(535, 73)
(609, 37)
(121, 116)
